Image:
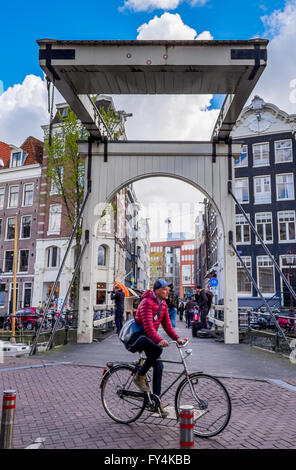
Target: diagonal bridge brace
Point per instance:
(77, 223)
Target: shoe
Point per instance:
(140, 381)
(163, 412)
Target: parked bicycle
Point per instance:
(123, 402)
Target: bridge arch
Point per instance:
(191, 162)
(165, 175)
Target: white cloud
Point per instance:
(165, 117)
(23, 109)
(168, 117)
(277, 84)
(169, 26)
(149, 5)
(168, 197)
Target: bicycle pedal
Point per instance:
(152, 409)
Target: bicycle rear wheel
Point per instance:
(210, 400)
(120, 407)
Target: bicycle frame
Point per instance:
(195, 383)
(184, 372)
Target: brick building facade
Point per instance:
(174, 260)
(20, 177)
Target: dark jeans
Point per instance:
(118, 321)
(153, 352)
(189, 317)
(203, 316)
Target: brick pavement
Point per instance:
(62, 403)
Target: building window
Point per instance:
(10, 228)
(26, 226)
(2, 194)
(283, 151)
(28, 194)
(262, 189)
(264, 226)
(102, 256)
(27, 294)
(288, 266)
(261, 154)
(13, 196)
(287, 226)
(54, 223)
(57, 182)
(8, 262)
(265, 274)
(81, 174)
(16, 159)
(24, 261)
(2, 295)
(186, 274)
(101, 293)
(285, 186)
(11, 296)
(242, 161)
(242, 230)
(244, 285)
(52, 256)
(241, 190)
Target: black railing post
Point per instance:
(277, 342)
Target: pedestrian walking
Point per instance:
(189, 312)
(204, 301)
(172, 303)
(118, 296)
(181, 309)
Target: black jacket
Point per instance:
(119, 300)
(190, 304)
(172, 301)
(202, 300)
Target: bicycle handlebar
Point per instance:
(180, 345)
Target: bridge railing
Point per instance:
(216, 316)
(260, 327)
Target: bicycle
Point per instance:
(124, 403)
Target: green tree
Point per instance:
(66, 167)
(113, 121)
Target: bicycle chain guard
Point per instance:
(154, 406)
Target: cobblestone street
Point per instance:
(59, 400)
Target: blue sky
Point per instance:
(102, 19)
(23, 92)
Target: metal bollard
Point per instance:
(186, 426)
(7, 421)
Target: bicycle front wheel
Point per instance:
(118, 404)
(210, 401)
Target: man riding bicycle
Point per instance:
(152, 312)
